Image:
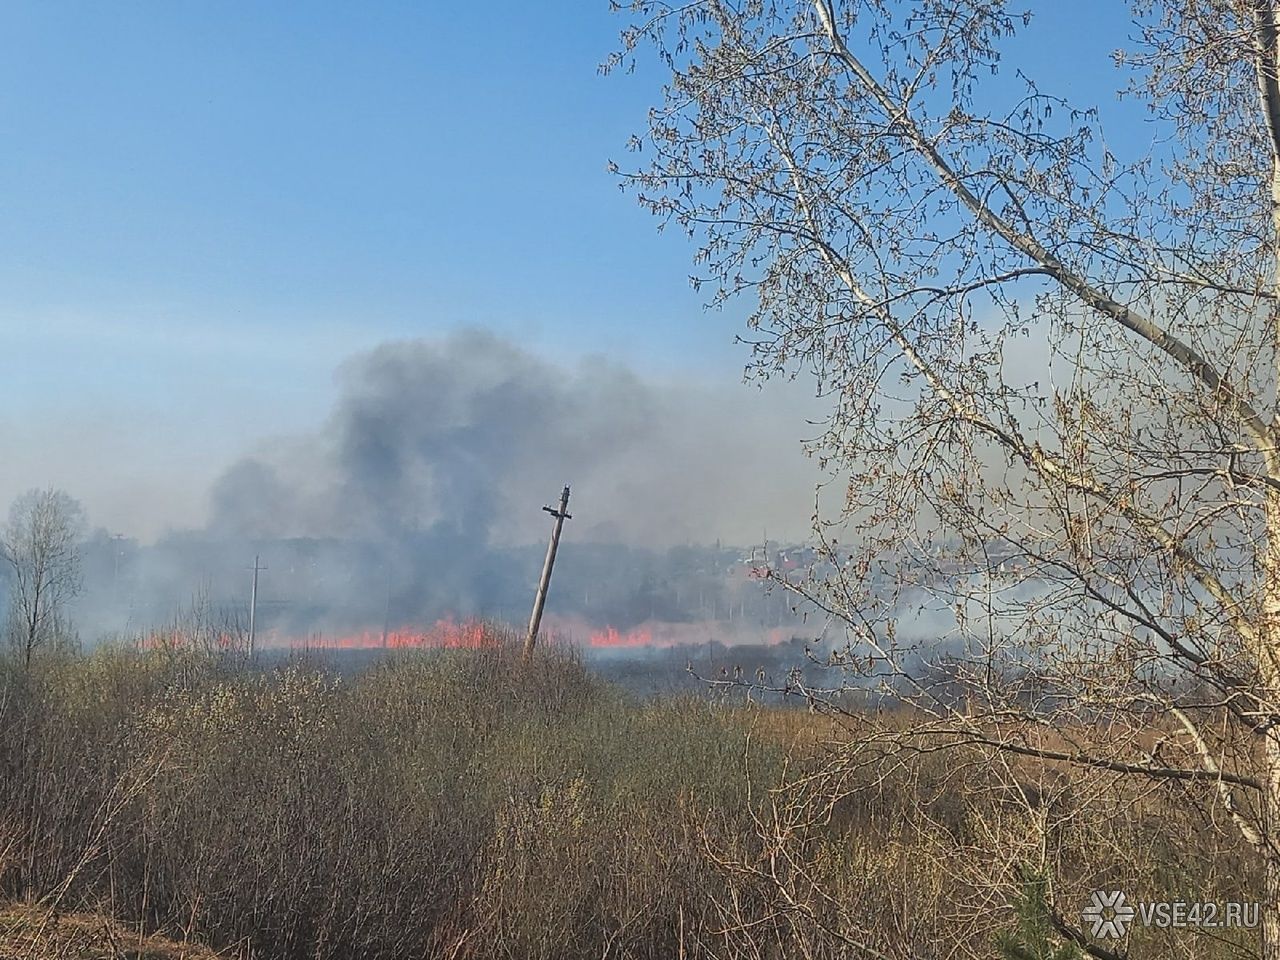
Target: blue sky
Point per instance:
(205, 207)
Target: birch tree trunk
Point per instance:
(1268, 79)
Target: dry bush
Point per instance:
(895, 844)
(464, 804)
(455, 803)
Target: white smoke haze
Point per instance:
(419, 496)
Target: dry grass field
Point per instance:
(27, 933)
(463, 804)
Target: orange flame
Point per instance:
(612, 637)
(444, 634)
(450, 634)
(658, 634)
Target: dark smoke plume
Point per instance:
(466, 435)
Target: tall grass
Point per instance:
(456, 803)
(465, 804)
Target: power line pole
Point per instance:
(253, 604)
(540, 598)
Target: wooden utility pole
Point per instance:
(253, 604)
(540, 599)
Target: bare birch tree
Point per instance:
(1052, 369)
(40, 545)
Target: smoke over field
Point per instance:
(465, 436)
(417, 499)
